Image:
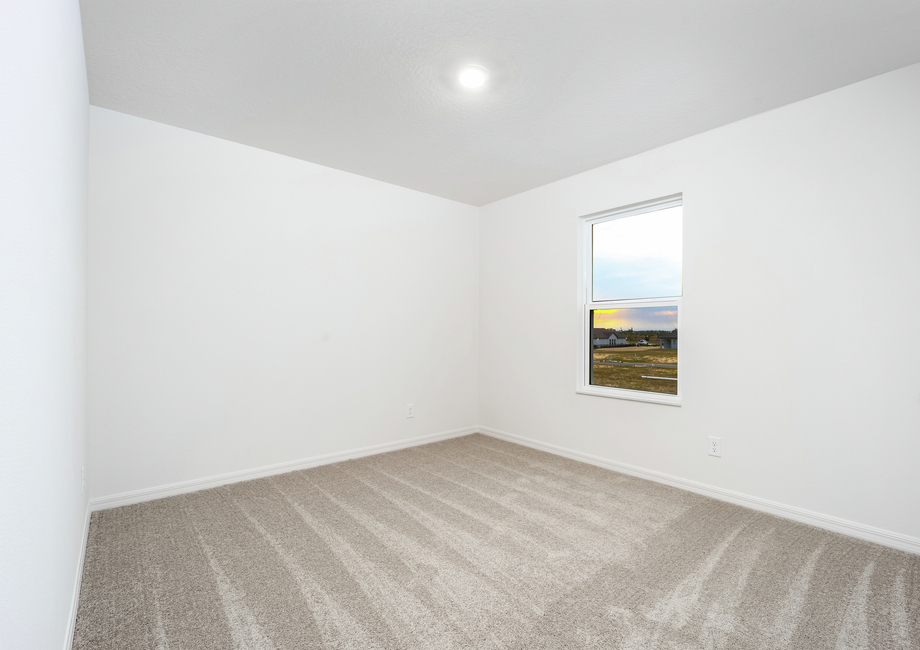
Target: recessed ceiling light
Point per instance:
(472, 76)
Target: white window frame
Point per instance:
(586, 303)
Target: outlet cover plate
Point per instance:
(715, 446)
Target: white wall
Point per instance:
(43, 128)
(247, 309)
(799, 336)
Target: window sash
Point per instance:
(588, 353)
(633, 210)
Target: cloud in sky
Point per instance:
(637, 318)
(638, 257)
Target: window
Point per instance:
(630, 288)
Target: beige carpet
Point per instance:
(478, 543)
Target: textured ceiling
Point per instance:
(368, 86)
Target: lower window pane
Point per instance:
(635, 348)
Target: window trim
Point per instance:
(585, 303)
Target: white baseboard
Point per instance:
(827, 522)
(183, 487)
(78, 581)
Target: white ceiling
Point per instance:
(368, 86)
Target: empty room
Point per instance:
(422, 325)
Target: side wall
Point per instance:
(43, 131)
(248, 309)
(798, 342)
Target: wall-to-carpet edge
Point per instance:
(193, 485)
(78, 581)
(827, 522)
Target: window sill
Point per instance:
(634, 395)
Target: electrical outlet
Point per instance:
(410, 410)
(715, 446)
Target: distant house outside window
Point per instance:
(630, 288)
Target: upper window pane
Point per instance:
(638, 257)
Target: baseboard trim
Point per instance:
(184, 487)
(78, 582)
(827, 522)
